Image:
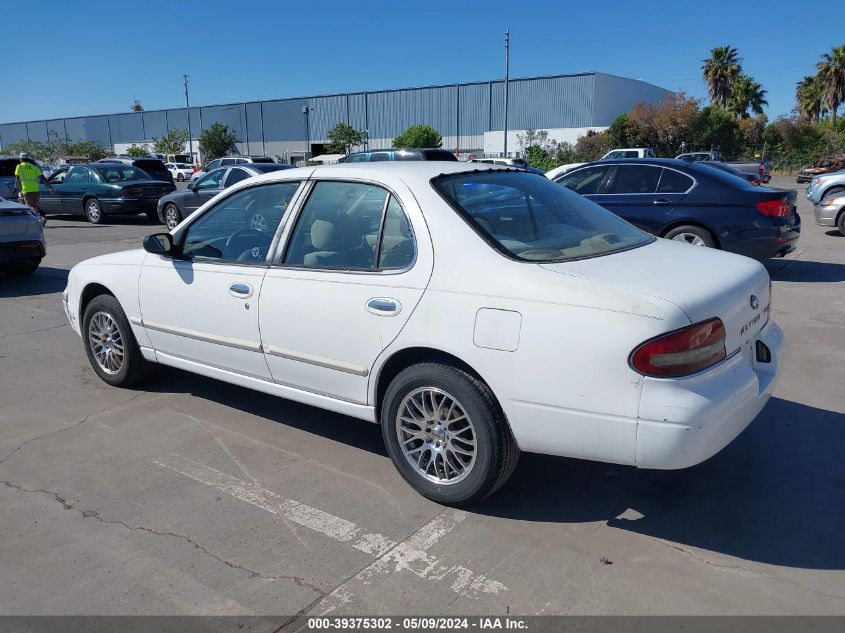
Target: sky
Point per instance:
(94, 57)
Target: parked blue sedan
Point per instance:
(692, 203)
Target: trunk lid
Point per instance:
(702, 282)
(14, 218)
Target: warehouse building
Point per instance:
(469, 116)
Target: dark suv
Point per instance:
(398, 154)
(153, 166)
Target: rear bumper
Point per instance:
(128, 205)
(685, 421)
(826, 215)
(22, 250)
(769, 237)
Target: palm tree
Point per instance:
(831, 73)
(809, 97)
(720, 70)
(746, 94)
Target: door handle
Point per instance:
(240, 290)
(383, 306)
(662, 202)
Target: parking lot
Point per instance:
(192, 496)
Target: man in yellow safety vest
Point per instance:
(28, 176)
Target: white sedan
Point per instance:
(180, 171)
(473, 314)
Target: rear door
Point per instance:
(630, 192)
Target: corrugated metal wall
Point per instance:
(461, 113)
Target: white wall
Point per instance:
(494, 141)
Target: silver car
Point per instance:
(831, 212)
(826, 185)
(22, 244)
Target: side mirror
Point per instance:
(158, 244)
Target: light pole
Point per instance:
(188, 115)
(507, 76)
(306, 110)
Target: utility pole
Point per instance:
(507, 76)
(306, 110)
(188, 114)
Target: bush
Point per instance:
(216, 140)
(419, 136)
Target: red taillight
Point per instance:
(682, 352)
(756, 181)
(774, 208)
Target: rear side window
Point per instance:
(584, 181)
(439, 154)
(634, 179)
(235, 175)
(351, 226)
(672, 181)
(7, 168)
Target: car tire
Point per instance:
(449, 420)
(172, 216)
(180, 178)
(93, 211)
(117, 359)
(840, 223)
(691, 234)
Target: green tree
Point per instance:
(720, 70)
(343, 137)
(216, 140)
(419, 136)
(831, 73)
(171, 143)
(137, 151)
(717, 129)
(538, 157)
(36, 149)
(809, 97)
(592, 146)
(746, 94)
(92, 150)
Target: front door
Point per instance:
(204, 190)
(74, 189)
(202, 306)
(51, 199)
(353, 270)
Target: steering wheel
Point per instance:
(258, 237)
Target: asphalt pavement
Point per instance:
(191, 496)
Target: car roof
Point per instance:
(663, 162)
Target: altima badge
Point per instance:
(754, 302)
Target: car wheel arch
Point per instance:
(676, 223)
(404, 358)
(89, 293)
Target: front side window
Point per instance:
(59, 177)
(213, 165)
(350, 226)
(584, 181)
(380, 156)
(356, 158)
(634, 179)
(212, 180)
(532, 219)
(241, 227)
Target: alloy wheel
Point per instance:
(93, 210)
(106, 342)
(436, 435)
(171, 217)
(689, 238)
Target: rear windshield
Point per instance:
(150, 165)
(530, 218)
(266, 168)
(117, 172)
(439, 154)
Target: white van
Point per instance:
(631, 152)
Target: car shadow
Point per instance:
(43, 281)
(776, 495)
(834, 233)
(109, 220)
(798, 270)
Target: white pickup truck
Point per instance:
(760, 168)
(626, 152)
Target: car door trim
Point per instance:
(202, 336)
(319, 361)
